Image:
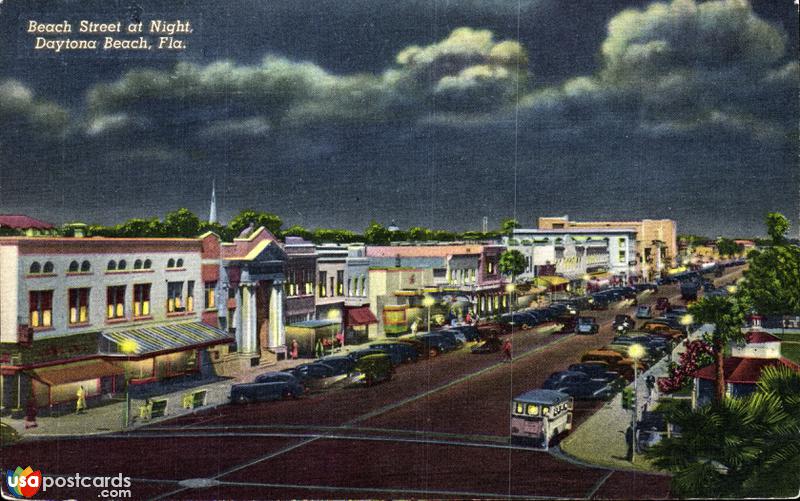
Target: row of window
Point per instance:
(41, 302)
(113, 265)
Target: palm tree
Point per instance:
(727, 315)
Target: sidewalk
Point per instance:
(600, 439)
(109, 418)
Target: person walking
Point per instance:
(468, 318)
(295, 349)
(30, 414)
(319, 350)
(80, 404)
(414, 328)
(507, 350)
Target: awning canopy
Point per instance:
(76, 371)
(360, 316)
(600, 275)
(554, 281)
(169, 337)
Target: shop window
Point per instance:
(78, 306)
(73, 267)
(174, 297)
(323, 277)
(41, 308)
(137, 265)
(112, 265)
(340, 283)
(86, 266)
(190, 295)
(35, 268)
(115, 302)
(141, 300)
(48, 267)
(210, 295)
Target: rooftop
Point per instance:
(22, 222)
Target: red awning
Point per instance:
(360, 316)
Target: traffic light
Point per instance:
(627, 398)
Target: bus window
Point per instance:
(533, 410)
(545, 410)
(519, 408)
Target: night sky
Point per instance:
(331, 113)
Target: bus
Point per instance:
(540, 416)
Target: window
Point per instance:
(340, 283)
(86, 267)
(190, 295)
(73, 267)
(35, 267)
(439, 272)
(171, 263)
(122, 264)
(210, 295)
(141, 300)
(174, 297)
(349, 287)
(41, 308)
(323, 277)
(115, 300)
(112, 265)
(363, 285)
(331, 289)
(48, 267)
(490, 267)
(622, 256)
(148, 264)
(78, 305)
(137, 265)
(179, 263)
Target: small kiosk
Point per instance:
(540, 416)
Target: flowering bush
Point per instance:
(698, 354)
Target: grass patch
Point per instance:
(788, 336)
(791, 351)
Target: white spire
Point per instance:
(212, 213)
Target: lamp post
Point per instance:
(510, 288)
(128, 347)
(428, 302)
(635, 351)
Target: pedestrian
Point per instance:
(507, 350)
(80, 404)
(414, 328)
(468, 318)
(340, 338)
(30, 414)
(295, 349)
(319, 350)
(651, 383)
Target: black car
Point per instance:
(358, 354)
(398, 352)
(436, 344)
(561, 378)
(339, 363)
(470, 332)
(567, 321)
(587, 390)
(520, 319)
(317, 376)
(599, 303)
(594, 371)
(491, 345)
(623, 323)
(267, 386)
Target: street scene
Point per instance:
(370, 249)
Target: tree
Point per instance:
(298, 231)
(377, 234)
(728, 247)
(247, 217)
(727, 315)
(508, 225)
(772, 281)
(512, 262)
(181, 223)
(220, 230)
(698, 354)
(419, 234)
(323, 235)
(141, 228)
(777, 226)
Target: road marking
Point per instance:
(599, 484)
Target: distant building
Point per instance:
(17, 224)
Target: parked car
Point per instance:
(470, 332)
(587, 390)
(491, 345)
(557, 379)
(623, 323)
(456, 337)
(399, 352)
(372, 369)
(436, 344)
(646, 287)
(644, 311)
(267, 386)
(567, 321)
(341, 364)
(587, 325)
(662, 329)
(520, 319)
(595, 370)
(490, 329)
(616, 361)
(419, 346)
(355, 355)
(317, 376)
(662, 303)
(599, 303)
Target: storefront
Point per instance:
(57, 387)
(308, 332)
(356, 324)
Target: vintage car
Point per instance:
(267, 386)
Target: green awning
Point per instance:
(166, 337)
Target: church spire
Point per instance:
(212, 213)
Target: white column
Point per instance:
(277, 330)
(248, 325)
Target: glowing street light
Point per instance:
(128, 347)
(635, 351)
(687, 320)
(731, 289)
(428, 302)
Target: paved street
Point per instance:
(438, 429)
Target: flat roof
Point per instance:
(541, 396)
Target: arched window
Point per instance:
(48, 267)
(36, 267)
(85, 266)
(112, 265)
(137, 265)
(122, 264)
(73, 267)
(179, 264)
(148, 264)
(171, 263)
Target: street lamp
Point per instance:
(687, 320)
(128, 347)
(635, 351)
(428, 302)
(731, 289)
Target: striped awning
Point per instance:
(166, 337)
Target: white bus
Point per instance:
(539, 416)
